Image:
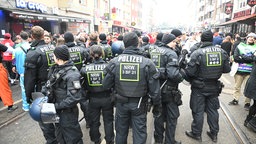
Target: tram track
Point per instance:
(237, 132)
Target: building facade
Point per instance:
(55, 16)
(235, 16)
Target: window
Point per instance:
(83, 2)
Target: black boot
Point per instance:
(212, 136)
(248, 118)
(194, 136)
(252, 124)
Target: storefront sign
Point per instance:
(117, 22)
(251, 3)
(228, 8)
(242, 13)
(31, 6)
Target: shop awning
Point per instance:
(238, 20)
(37, 16)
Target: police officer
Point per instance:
(64, 89)
(166, 60)
(204, 69)
(38, 60)
(99, 99)
(78, 54)
(106, 47)
(80, 57)
(133, 77)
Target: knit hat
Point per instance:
(102, 36)
(7, 35)
(207, 36)
(145, 39)
(251, 35)
(167, 38)
(131, 39)
(61, 52)
(176, 32)
(159, 36)
(138, 33)
(69, 37)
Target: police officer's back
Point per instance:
(133, 77)
(38, 60)
(100, 100)
(106, 47)
(78, 54)
(204, 69)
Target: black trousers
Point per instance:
(200, 103)
(49, 133)
(170, 114)
(127, 113)
(68, 130)
(98, 105)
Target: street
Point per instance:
(19, 128)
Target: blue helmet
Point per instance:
(35, 108)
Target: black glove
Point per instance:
(157, 110)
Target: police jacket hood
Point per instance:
(37, 43)
(104, 42)
(70, 44)
(132, 50)
(99, 61)
(206, 44)
(92, 43)
(68, 63)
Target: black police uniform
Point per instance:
(99, 101)
(64, 81)
(133, 76)
(107, 50)
(249, 91)
(166, 60)
(204, 69)
(80, 56)
(38, 60)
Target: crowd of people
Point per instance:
(128, 72)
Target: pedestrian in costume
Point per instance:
(5, 90)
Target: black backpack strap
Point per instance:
(23, 50)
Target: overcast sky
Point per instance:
(173, 11)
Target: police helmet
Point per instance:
(35, 108)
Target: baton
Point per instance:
(163, 84)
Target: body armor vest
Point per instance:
(130, 78)
(212, 60)
(94, 77)
(41, 58)
(160, 59)
(78, 56)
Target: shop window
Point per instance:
(83, 2)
